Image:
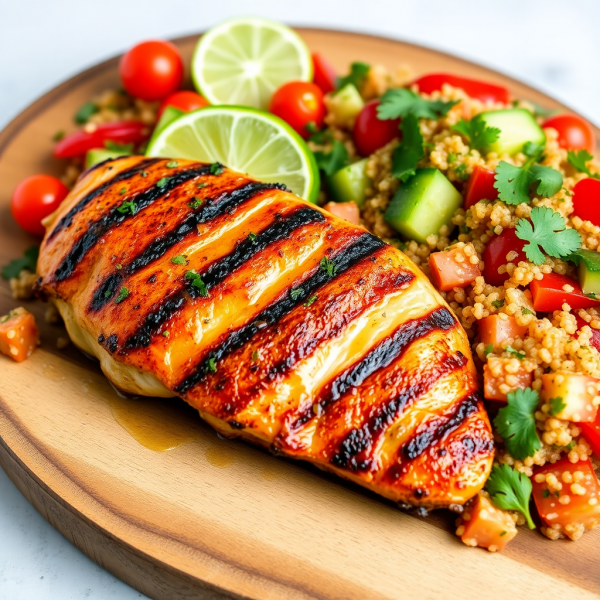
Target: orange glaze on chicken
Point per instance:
(278, 321)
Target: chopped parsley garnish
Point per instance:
(514, 183)
(477, 133)
(255, 355)
(451, 158)
(166, 333)
(407, 155)
(59, 135)
(117, 147)
(546, 493)
(295, 293)
(332, 161)
(526, 311)
(579, 160)
(318, 136)
(162, 182)
(557, 405)
(127, 207)
(201, 185)
(310, 301)
(172, 164)
(498, 303)
(328, 265)
(27, 262)
(461, 172)
(108, 293)
(489, 349)
(516, 353)
(123, 293)
(216, 168)
(401, 102)
(179, 260)
(510, 490)
(516, 423)
(122, 191)
(212, 365)
(252, 237)
(144, 173)
(85, 112)
(548, 233)
(197, 282)
(358, 73)
(195, 203)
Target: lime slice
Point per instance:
(243, 61)
(246, 140)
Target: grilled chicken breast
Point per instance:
(279, 322)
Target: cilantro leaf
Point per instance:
(516, 423)
(328, 265)
(172, 164)
(179, 260)
(295, 293)
(85, 112)
(318, 136)
(252, 237)
(215, 168)
(162, 182)
(407, 155)
(123, 293)
(556, 405)
(489, 349)
(28, 261)
(195, 203)
(197, 282)
(477, 132)
(579, 160)
(515, 353)
(534, 150)
(358, 72)
(549, 180)
(510, 490)
(310, 301)
(402, 102)
(548, 232)
(590, 258)
(212, 365)
(127, 207)
(514, 183)
(333, 161)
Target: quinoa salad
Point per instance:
(494, 199)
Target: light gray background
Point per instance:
(551, 44)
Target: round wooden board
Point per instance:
(212, 518)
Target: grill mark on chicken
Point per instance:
(114, 218)
(119, 177)
(343, 260)
(211, 209)
(219, 270)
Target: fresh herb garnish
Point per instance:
(195, 203)
(557, 405)
(85, 112)
(252, 237)
(59, 135)
(451, 158)
(27, 262)
(201, 185)
(216, 168)
(546, 493)
(212, 365)
(549, 233)
(407, 155)
(179, 260)
(498, 303)
(161, 183)
(127, 207)
(166, 333)
(122, 191)
(461, 172)
(328, 265)
(516, 353)
(590, 258)
(402, 102)
(317, 136)
(477, 132)
(197, 282)
(295, 293)
(172, 164)
(579, 160)
(526, 311)
(514, 183)
(332, 161)
(310, 300)
(516, 423)
(510, 490)
(489, 349)
(117, 147)
(358, 72)
(144, 173)
(123, 293)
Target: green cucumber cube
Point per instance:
(350, 183)
(346, 103)
(98, 155)
(517, 126)
(589, 271)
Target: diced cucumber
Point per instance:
(98, 155)
(589, 271)
(346, 103)
(350, 183)
(517, 126)
(423, 204)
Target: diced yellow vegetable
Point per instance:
(572, 396)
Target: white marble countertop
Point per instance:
(550, 44)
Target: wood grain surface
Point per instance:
(152, 494)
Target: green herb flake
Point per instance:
(477, 133)
(579, 160)
(127, 207)
(332, 161)
(498, 303)
(526, 311)
(328, 266)
(510, 490)
(557, 405)
(295, 293)
(407, 155)
(161, 183)
(489, 350)
(451, 158)
(516, 353)
(179, 260)
(108, 293)
(172, 164)
(144, 173)
(212, 365)
(252, 237)
(503, 533)
(201, 185)
(166, 333)
(27, 262)
(402, 102)
(216, 168)
(255, 355)
(358, 73)
(461, 172)
(195, 203)
(59, 135)
(125, 149)
(514, 183)
(546, 493)
(123, 293)
(122, 191)
(84, 113)
(310, 301)
(197, 282)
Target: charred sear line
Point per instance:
(122, 176)
(218, 271)
(211, 209)
(366, 245)
(114, 218)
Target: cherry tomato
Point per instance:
(486, 92)
(480, 187)
(324, 74)
(548, 293)
(121, 132)
(183, 100)
(299, 103)
(370, 132)
(34, 199)
(495, 253)
(574, 133)
(586, 200)
(151, 70)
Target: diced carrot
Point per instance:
(495, 329)
(574, 394)
(344, 210)
(19, 334)
(495, 384)
(447, 272)
(486, 526)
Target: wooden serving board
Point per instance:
(152, 494)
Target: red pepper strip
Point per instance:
(494, 255)
(486, 92)
(324, 74)
(480, 187)
(548, 294)
(120, 132)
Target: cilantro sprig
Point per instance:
(579, 160)
(477, 132)
(510, 490)
(127, 208)
(27, 262)
(401, 102)
(514, 183)
(332, 161)
(196, 280)
(557, 405)
(407, 155)
(328, 266)
(357, 75)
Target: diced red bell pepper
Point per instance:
(586, 200)
(324, 74)
(120, 132)
(447, 273)
(344, 210)
(480, 187)
(591, 432)
(486, 92)
(595, 341)
(548, 294)
(494, 255)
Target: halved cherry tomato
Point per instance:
(586, 200)
(121, 132)
(324, 74)
(595, 341)
(299, 103)
(34, 199)
(370, 132)
(183, 100)
(494, 256)
(574, 133)
(486, 92)
(151, 70)
(480, 187)
(548, 293)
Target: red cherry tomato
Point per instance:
(324, 74)
(574, 133)
(121, 132)
(548, 293)
(299, 103)
(495, 253)
(486, 92)
(371, 133)
(34, 199)
(586, 200)
(183, 100)
(151, 70)
(480, 187)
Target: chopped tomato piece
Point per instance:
(495, 379)
(550, 294)
(344, 210)
(573, 507)
(19, 334)
(496, 329)
(576, 395)
(586, 200)
(448, 273)
(574, 133)
(370, 132)
(480, 187)
(591, 432)
(495, 253)
(324, 74)
(486, 92)
(486, 526)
